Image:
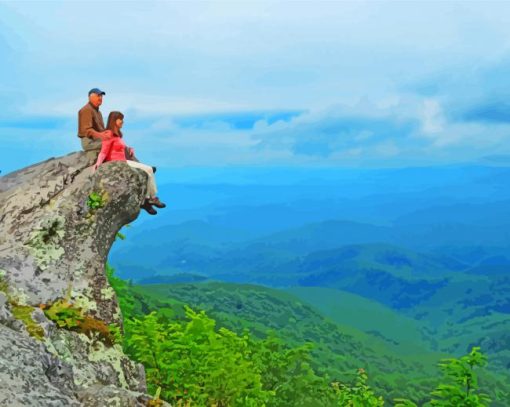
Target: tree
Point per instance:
(193, 363)
(357, 394)
(461, 388)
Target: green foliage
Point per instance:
(120, 235)
(96, 200)
(66, 315)
(337, 349)
(115, 333)
(357, 394)
(195, 364)
(404, 403)
(156, 401)
(121, 288)
(461, 387)
(192, 362)
(146, 338)
(288, 374)
(197, 361)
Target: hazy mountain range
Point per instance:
(417, 258)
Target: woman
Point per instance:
(114, 149)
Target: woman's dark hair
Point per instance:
(112, 117)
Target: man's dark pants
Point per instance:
(92, 147)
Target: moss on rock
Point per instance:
(4, 287)
(69, 316)
(24, 314)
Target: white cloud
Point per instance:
(353, 68)
(432, 118)
(141, 104)
(238, 53)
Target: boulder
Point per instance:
(58, 221)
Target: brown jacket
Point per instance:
(89, 118)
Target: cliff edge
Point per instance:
(59, 317)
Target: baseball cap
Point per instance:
(97, 91)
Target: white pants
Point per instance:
(151, 181)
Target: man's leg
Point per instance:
(92, 147)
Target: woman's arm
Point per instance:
(105, 150)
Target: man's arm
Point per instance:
(100, 134)
(85, 126)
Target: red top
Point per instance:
(114, 149)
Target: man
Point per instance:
(91, 128)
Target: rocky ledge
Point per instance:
(58, 313)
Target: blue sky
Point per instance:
(342, 84)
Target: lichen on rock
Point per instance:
(45, 241)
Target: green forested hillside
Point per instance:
(390, 278)
(404, 334)
(338, 351)
(415, 301)
(449, 323)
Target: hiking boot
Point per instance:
(156, 202)
(147, 206)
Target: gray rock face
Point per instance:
(109, 396)
(32, 376)
(29, 375)
(58, 221)
(52, 244)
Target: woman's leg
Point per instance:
(151, 181)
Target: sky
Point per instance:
(298, 84)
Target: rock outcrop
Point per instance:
(58, 221)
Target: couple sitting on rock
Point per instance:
(102, 145)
